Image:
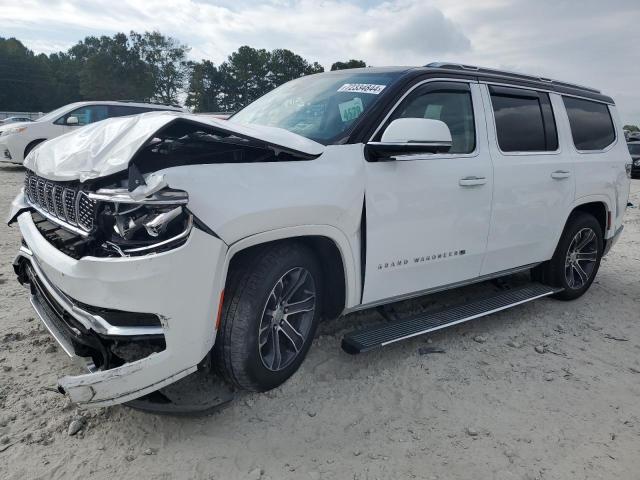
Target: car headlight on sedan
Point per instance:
(12, 130)
(139, 227)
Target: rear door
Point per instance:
(534, 181)
(427, 215)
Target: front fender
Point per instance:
(346, 246)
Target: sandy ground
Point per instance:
(490, 410)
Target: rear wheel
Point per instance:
(577, 257)
(270, 315)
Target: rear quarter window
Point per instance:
(591, 124)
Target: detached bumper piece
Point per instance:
(382, 335)
(104, 338)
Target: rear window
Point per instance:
(591, 124)
(124, 110)
(524, 120)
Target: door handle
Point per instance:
(472, 181)
(560, 174)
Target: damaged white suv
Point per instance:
(159, 243)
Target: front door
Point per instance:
(427, 215)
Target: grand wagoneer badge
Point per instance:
(422, 259)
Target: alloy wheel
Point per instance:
(287, 319)
(581, 258)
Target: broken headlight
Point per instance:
(141, 226)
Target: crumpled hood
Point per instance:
(106, 147)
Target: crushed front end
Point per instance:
(121, 269)
(125, 282)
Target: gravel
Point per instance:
(386, 414)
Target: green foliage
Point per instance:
(111, 68)
(631, 128)
(246, 75)
(25, 78)
(348, 64)
(166, 60)
(147, 66)
(205, 87)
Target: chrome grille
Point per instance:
(86, 209)
(64, 202)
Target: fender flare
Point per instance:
(598, 198)
(349, 263)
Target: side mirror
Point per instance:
(72, 121)
(405, 136)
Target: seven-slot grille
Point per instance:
(65, 202)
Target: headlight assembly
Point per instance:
(139, 227)
(10, 131)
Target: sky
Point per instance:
(590, 42)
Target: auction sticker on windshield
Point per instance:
(351, 110)
(362, 88)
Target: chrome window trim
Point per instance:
(436, 156)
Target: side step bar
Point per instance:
(360, 341)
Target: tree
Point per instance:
(631, 128)
(348, 64)
(110, 69)
(205, 87)
(246, 75)
(24, 81)
(284, 65)
(143, 67)
(166, 59)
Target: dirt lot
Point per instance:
(483, 405)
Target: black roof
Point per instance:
(492, 75)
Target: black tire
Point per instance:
(237, 354)
(562, 271)
(31, 146)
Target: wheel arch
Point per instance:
(334, 252)
(598, 207)
(31, 145)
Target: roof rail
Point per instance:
(150, 102)
(507, 74)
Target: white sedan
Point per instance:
(18, 139)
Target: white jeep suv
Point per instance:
(158, 243)
(19, 138)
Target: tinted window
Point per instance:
(449, 103)
(524, 120)
(86, 115)
(591, 124)
(122, 111)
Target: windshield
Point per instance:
(634, 148)
(320, 107)
(53, 114)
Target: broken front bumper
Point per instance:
(181, 287)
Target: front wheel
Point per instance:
(270, 315)
(577, 257)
